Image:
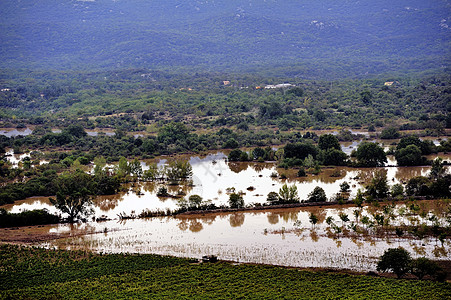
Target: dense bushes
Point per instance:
(27, 218)
(399, 261)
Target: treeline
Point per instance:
(27, 218)
(140, 99)
(177, 137)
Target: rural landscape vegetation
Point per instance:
(225, 149)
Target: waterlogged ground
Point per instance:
(213, 175)
(279, 237)
(269, 237)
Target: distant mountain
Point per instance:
(346, 36)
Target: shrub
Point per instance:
(317, 195)
(397, 260)
(422, 266)
(236, 201)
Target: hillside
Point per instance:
(306, 38)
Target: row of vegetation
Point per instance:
(40, 273)
(127, 101)
(399, 261)
(75, 188)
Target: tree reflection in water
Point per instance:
(236, 220)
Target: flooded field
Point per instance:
(213, 176)
(279, 237)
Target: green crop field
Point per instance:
(33, 273)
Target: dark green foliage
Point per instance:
(378, 187)
(418, 186)
(409, 156)
(235, 155)
(236, 201)
(390, 133)
(317, 195)
(231, 144)
(424, 146)
(300, 150)
(272, 197)
(328, 141)
(334, 157)
(34, 273)
(42, 185)
(27, 218)
(107, 185)
(258, 153)
(297, 91)
(73, 194)
(345, 187)
(173, 133)
(423, 266)
(75, 130)
(301, 172)
(397, 260)
(370, 155)
(366, 97)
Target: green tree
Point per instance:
(99, 165)
(345, 187)
(153, 173)
(235, 155)
(370, 155)
(288, 193)
(423, 266)
(236, 201)
(366, 97)
(328, 141)
(397, 190)
(74, 193)
(424, 146)
(317, 195)
(272, 197)
(390, 133)
(195, 202)
(438, 169)
(418, 186)
(136, 168)
(313, 219)
(378, 186)
(75, 130)
(334, 157)
(300, 150)
(397, 260)
(409, 156)
(122, 169)
(258, 153)
(178, 170)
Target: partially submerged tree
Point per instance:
(370, 155)
(378, 187)
(236, 201)
(74, 193)
(317, 195)
(288, 193)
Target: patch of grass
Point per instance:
(47, 274)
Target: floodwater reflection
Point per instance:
(270, 237)
(213, 175)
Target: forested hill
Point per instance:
(315, 37)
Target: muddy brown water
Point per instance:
(213, 177)
(270, 237)
(278, 237)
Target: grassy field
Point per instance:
(33, 273)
